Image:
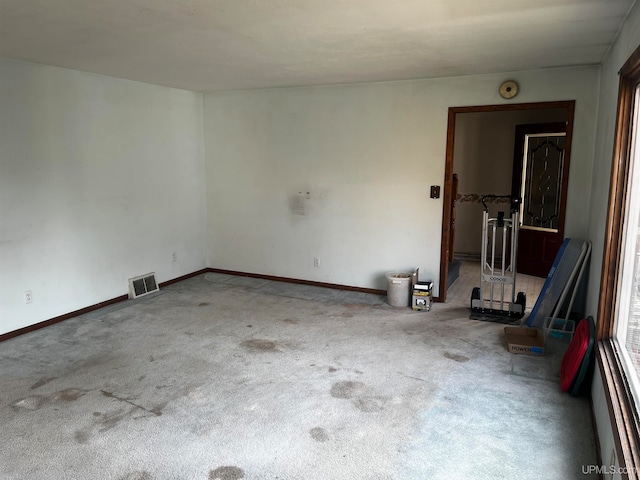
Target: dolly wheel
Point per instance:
(475, 295)
(522, 300)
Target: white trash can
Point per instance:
(398, 289)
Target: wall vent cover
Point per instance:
(143, 285)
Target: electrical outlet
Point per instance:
(174, 256)
(28, 296)
(316, 261)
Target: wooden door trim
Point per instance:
(569, 105)
(452, 222)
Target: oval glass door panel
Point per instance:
(542, 178)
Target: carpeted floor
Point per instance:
(230, 377)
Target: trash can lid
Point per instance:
(398, 275)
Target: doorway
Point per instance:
(487, 174)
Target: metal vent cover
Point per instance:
(143, 285)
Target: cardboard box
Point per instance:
(524, 340)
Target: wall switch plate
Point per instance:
(316, 261)
(28, 296)
(174, 256)
(435, 191)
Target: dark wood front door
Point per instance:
(540, 171)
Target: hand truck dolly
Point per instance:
(497, 276)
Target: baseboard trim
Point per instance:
(467, 257)
(335, 286)
(90, 308)
(183, 277)
(66, 316)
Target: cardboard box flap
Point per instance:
(524, 340)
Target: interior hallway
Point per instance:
(232, 377)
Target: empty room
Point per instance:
(242, 239)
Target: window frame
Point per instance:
(625, 418)
(628, 255)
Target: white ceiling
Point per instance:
(209, 45)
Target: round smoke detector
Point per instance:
(508, 89)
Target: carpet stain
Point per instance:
(35, 402)
(96, 361)
(107, 422)
(370, 404)
(157, 411)
(291, 321)
(203, 304)
(347, 315)
(42, 381)
(319, 434)
(82, 436)
(102, 423)
(456, 358)
(249, 326)
(347, 389)
(226, 473)
(137, 475)
(260, 344)
(361, 396)
(70, 394)
(332, 369)
(413, 378)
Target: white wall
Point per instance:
(100, 180)
(483, 160)
(628, 40)
(367, 155)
